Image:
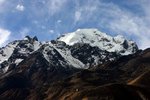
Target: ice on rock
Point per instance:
(7, 51)
(119, 39)
(96, 38)
(65, 53)
(97, 45)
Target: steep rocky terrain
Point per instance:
(108, 82)
(83, 65)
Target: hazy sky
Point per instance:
(47, 19)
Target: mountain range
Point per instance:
(83, 65)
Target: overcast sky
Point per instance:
(48, 19)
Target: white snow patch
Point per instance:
(17, 61)
(7, 51)
(66, 54)
(36, 45)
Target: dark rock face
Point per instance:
(92, 55)
(35, 38)
(47, 73)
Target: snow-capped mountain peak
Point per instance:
(105, 42)
(80, 49)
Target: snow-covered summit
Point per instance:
(81, 49)
(102, 40)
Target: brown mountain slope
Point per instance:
(142, 80)
(107, 92)
(88, 88)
